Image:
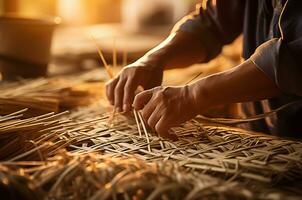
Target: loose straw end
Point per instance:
(107, 68)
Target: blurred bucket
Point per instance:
(25, 45)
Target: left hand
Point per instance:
(164, 108)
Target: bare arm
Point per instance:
(242, 83)
(179, 50)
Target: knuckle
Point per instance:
(128, 71)
(158, 95)
(166, 91)
(124, 75)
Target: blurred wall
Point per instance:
(73, 12)
(138, 15)
(81, 12)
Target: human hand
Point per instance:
(164, 108)
(120, 91)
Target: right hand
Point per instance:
(121, 90)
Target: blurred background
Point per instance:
(128, 27)
(84, 12)
(124, 30)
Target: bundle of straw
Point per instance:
(213, 148)
(45, 95)
(37, 137)
(216, 150)
(94, 176)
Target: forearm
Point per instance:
(178, 50)
(240, 84)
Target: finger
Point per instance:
(129, 90)
(148, 110)
(142, 99)
(154, 117)
(110, 86)
(119, 94)
(161, 127)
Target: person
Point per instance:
(270, 76)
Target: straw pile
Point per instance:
(45, 95)
(228, 153)
(37, 137)
(94, 176)
(214, 149)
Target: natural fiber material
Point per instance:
(216, 150)
(211, 148)
(93, 176)
(37, 137)
(45, 95)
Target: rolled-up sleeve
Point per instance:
(281, 58)
(215, 24)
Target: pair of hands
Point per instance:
(162, 107)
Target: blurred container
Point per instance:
(141, 15)
(25, 45)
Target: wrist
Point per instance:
(151, 60)
(199, 95)
(156, 60)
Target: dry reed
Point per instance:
(50, 94)
(216, 150)
(95, 176)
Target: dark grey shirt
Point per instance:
(272, 32)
